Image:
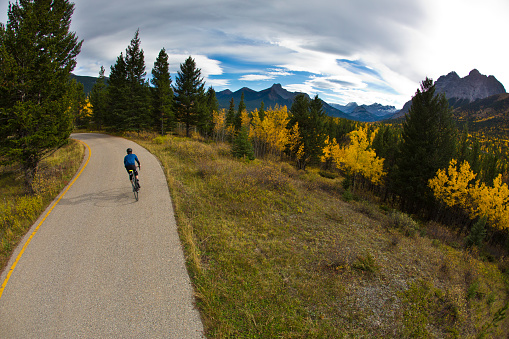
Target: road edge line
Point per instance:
(43, 219)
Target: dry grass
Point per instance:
(17, 209)
(277, 253)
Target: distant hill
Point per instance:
(368, 113)
(275, 95)
(88, 82)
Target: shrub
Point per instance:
(366, 263)
(477, 233)
(403, 222)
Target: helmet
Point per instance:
(129, 150)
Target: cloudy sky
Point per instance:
(343, 50)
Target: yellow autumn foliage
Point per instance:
(452, 187)
(358, 157)
(456, 189)
(270, 134)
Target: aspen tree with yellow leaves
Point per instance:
(357, 158)
(456, 188)
(219, 121)
(270, 135)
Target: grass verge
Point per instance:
(18, 211)
(278, 253)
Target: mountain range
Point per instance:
(277, 95)
(272, 96)
(462, 94)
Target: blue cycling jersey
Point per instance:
(130, 159)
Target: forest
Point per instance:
(424, 165)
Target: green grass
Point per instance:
(19, 210)
(278, 253)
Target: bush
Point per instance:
(242, 147)
(403, 222)
(477, 233)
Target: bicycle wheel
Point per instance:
(135, 189)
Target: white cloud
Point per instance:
(400, 41)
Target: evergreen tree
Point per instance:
(162, 94)
(117, 94)
(206, 120)
(78, 106)
(37, 55)
(230, 115)
(242, 147)
(189, 94)
(98, 97)
(261, 113)
(238, 115)
(138, 114)
(428, 143)
(311, 119)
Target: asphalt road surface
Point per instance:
(102, 265)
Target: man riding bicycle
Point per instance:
(130, 161)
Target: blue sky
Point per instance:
(343, 50)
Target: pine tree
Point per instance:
(138, 113)
(238, 115)
(98, 100)
(230, 115)
(79, 104)
(311, 119)
(242, 147)
(37, 55)
(206, 119)
(117, 100)
(162, 94)
(189, 94)
(428, 143)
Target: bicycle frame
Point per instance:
(132, 178)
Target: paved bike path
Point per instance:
(103, 265)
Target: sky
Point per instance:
(364, 51)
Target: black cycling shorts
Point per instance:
(131, 167)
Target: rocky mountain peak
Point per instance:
(470, 88)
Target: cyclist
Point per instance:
(130, 161)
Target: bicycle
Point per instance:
(134, 184)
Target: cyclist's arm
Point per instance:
(137, 161)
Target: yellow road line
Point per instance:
(39, 225)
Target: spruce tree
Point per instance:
(137, 116)
(230, 114)
(428, 144)
(189, 94)
(98, 100)
(117, 95)
(37, 54)
(206, 119)
(162, 94)
(311, 119)
(242, 147)
(238, 115)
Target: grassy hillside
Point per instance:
(278, 253)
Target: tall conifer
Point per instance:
(206, 120)
(117, 94)
(162, 94)
(428, 143)
(98, 100)
(138, 115)
(37, 54)
(311, 120)
(189, 94)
